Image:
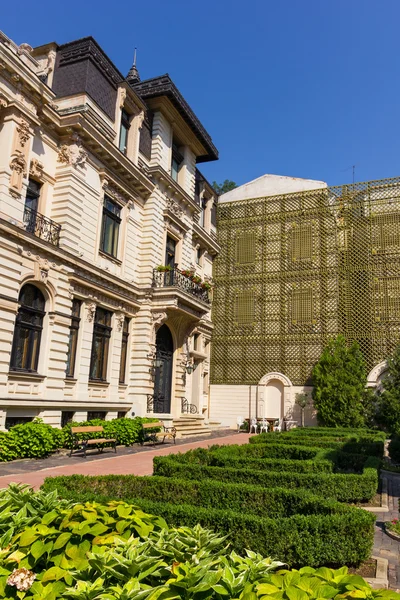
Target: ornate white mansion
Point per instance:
(107, 233)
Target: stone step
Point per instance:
(193, 432)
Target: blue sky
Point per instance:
(305, 88)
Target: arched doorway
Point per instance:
(274, 400)
(163, 370)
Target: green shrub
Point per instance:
(291, 452)
(355, 444)
(7, 447)
(33, 440)
(127, 431)
(343, 537)
(202, 456)
(394, 449)
(208, 493)
(345, 488)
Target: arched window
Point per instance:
(28, 330)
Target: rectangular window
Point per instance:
(170, 251)
(123, 132)
(121, 414)
(388, 299)
(301, 243)
(100, 345)
(73, 337)
(199, 254)
(96, 414)
(124, 350)
(203, 206)
(386, 233)
(214, 214)
(110, 227)
(31, 205)
(67, 416)
(246, 248)
(245, 308)
(302, 307)
(176, 162)
(12, 421)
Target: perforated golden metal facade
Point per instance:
(297, 269)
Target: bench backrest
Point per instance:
(152, 425)
(88, 429)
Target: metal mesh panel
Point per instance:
(297, 269)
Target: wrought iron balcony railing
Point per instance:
(175, 278)
(188, 408)
(41, 226)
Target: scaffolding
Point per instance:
(297, 269)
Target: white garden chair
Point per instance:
(264, 426)
(240, 422)
(278, 425)
(253, 425)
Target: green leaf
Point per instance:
(38, 548)
(28, 537)
(294, 593)
(53, 574)
(61, 540)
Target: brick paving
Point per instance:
(137, 460)
(384, 546)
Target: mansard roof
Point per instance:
(164, 86)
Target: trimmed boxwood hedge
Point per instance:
(343, 487)
(345, 537)
(201, 456)
(360, 445)
(291, 452)
(335, 432)
(394, 449)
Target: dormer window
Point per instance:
(123, 132)
(176, 162)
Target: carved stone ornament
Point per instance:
(90, 311)
(46, 65)
(18, 170)
(73, 153)
(36, 168)
(122, 98)
(120, 321)
(3, 102)
(24, 48)
(174, 207)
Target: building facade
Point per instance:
(300, 263)
(108, 235)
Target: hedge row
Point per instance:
(345, 488)
(360, 445)
(37, 439)
(290, 452)
(201, 456)
(336, 539)
(336, 431)
(207, 493)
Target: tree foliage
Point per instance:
(226, 186)
(303, 401)
(388, 413)
(339, 379)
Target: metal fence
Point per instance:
(297, 269)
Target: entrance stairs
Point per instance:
(190, 426)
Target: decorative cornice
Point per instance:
(164, 86)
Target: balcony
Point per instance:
(41, 226)
(174, 278)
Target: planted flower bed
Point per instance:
(54, 549)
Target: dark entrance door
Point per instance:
(163, 371)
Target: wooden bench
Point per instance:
(79, 444)
(154, 436)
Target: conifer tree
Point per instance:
(339, 380)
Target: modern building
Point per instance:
(108, 235)
(300, 263)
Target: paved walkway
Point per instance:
(134, 463)
(384, 546)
